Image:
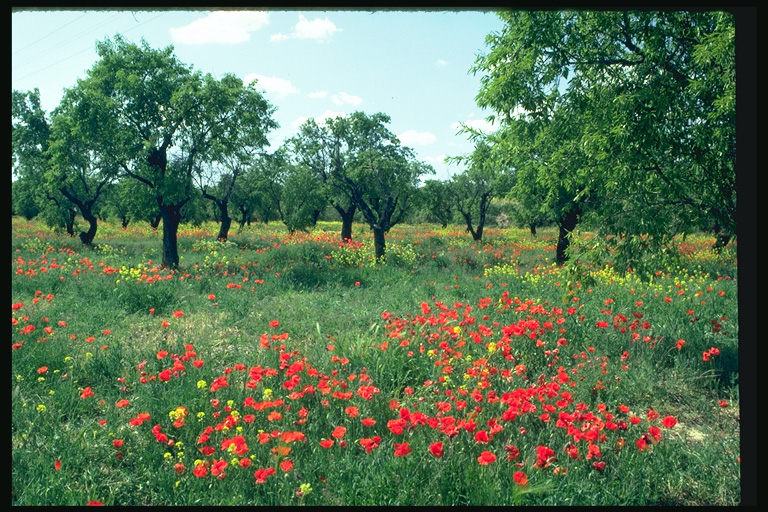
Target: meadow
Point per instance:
(277, 370)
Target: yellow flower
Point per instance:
(41, 408)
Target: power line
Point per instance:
(39, 70)
(48, 34)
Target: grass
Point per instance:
(239, 368)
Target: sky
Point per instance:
(411, 65)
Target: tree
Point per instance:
(324, 150)
(473, 190)
(234, 150)
(435, 198)
(157, 120)
(362, 162)
(647, 102)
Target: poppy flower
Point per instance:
(178, 314)
(326, 443)
(274, 323)
(57, 465)
(520, 478)
(86, 392)
(402, 449)
(436, 449)
(263, 473)
(486, 458)
(669, 421)
(122, 403)
(339, 432)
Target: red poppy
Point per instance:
(436, 449)
(669, 421)
(339, 432)
(486, 458)
(401, 450)
(262, 474)
(57, 465)
(326, 443)
(520, 478)
(178, 314)
(122, 403)
(86, 392)
(274, 323)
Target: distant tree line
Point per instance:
(623, 122)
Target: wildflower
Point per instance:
(178, 314)
(339, 432)
(94, 503)
(599, 465)
(57, 465)
(165, 323)
(486, 458)
(669, 421)
(326, 443)
(402, 449)
(42, 369)
(436, 449)
(86, 392)
(179, 468)
(262, 474)
(520, 478)
(274, 323)
(200, 470)
(117, 443)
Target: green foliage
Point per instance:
(603, 114)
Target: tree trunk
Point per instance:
(567, 224)
(379, 244)
(124, 221)
(226, 222)
(156, 221)
(171, 215)
(69, 225)
(87, 236)
(346, 221)
(532, 227)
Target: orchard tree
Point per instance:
(158, 120)
(362, 162)
(647, 102)
(236, 147)
(473, 190)
(434, 197)
(323, 148)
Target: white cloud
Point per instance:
(479, 124)
(441, 63)
(280, 87)
(220, 27)
(439, 159)
(344, 98)
(317, 29)
(413, 138)
(317, 94)
(320, 119)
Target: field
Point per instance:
(276, 370)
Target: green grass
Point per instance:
(271, 334)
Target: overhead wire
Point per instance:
(39, 70)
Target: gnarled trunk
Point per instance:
(379, 244)
(171, 215)
(567, 223)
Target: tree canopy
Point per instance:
(625, 117)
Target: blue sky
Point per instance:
(412, 65)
